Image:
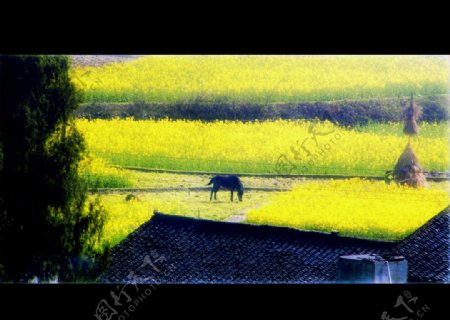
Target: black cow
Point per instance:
(231, 183)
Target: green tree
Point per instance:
(47, 228)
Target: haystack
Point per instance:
(408, 169)
(411, 128)
(412, 115)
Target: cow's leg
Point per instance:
(210, 197)
(231, 195)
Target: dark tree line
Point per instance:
(347, 113)
(47, 227)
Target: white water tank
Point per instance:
(371, 268)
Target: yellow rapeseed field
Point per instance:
(168, 79)
(261, 147)
(125, 216)
(99, 174)
(354, 207)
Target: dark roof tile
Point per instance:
(186, 250)
(427, 250)
(209, 251)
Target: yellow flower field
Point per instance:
(354, 207)
(280, 146)
(99, 174)
(125, 216)
(166, 79)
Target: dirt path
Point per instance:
(236, 218)
(114, 190)
(99, 60)
(242, 215)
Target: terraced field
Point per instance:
(357, 207)
(277, 147)
(353, 207)
(264, 79)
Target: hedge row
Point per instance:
(434, 108)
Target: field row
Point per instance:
(277, 147)
(262, 79)
(354, 207)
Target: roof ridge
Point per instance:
(159, 214)
(428, 224)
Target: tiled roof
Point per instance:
(208, 251)
(187, 250)
(427, 250)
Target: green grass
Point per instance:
(427, 130)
